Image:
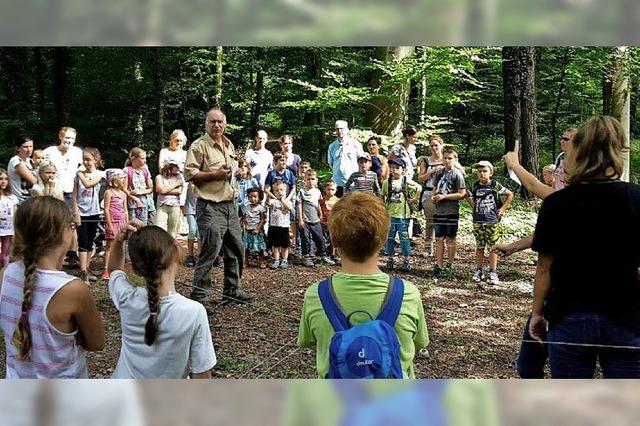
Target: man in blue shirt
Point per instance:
(342, 156)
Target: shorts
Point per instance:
(278, 236)
(486, 234)
(446, 225)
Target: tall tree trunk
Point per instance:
(314, 120)
(40, 77)
(620, 100)
(511, 90)
(217, 96)
(256, 109)
(556, 109)
(158, 95)
(423, 89)
(13, 63)
(388, 109)
(528, 131)
(183, 102)
(61, 68)
(138, 128)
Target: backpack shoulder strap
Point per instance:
(393, 301)
(129, 176)
(331, 308)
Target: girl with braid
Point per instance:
(164, 334)
(48, 318)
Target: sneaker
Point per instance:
(240, 296)
(190, 262)
(284, 264)
(336, 259)
(307, 261)
(406, 266)
(493, 278)
(105, 275)
(477, 276)
(447, 272)
(391, 264)
(275, 264)
(327, 260)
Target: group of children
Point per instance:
(370, 216)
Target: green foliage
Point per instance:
(112, 102)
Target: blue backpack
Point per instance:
(419, 402)
(369, 350)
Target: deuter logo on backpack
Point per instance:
(368, 350)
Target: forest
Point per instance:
(480, 99)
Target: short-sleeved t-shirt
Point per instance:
(486, 206)
(67, 164)
(260, 161)
(243, 186)
(394, 198)
(592, 231)
(179, 156)
(252, 214)
(363, 292)
(287, 176)
(19, 187)
(8, 204)
(138, 181)
(183, 343)
(408, 154)
(310, 199)
(89, 198)
(448, 182)
(277, 215)
(366, 182)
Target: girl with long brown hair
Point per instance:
(164, 334)
(48, 318)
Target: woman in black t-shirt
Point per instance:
(586, 287)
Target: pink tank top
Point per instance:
(54, 354)
(116, 209)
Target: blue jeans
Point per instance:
(532, 356)
(400, 226)
(580, 361)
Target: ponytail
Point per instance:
(151, 327)
(21, 338)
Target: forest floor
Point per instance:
(475, 329)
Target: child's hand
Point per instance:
(501, 213)
(437, 198)
(301, 223)
(255, 231)
(139, 204)
(128, 229)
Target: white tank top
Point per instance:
(54, 354)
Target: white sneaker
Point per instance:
(477, 276)
(493, 278)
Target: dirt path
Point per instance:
(474, 330)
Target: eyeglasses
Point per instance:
(564, 138)
(73, 226)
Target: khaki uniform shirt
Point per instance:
(206, 155)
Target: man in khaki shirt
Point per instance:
(208, 166)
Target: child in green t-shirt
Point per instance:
(399, 194)
(358, 228)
